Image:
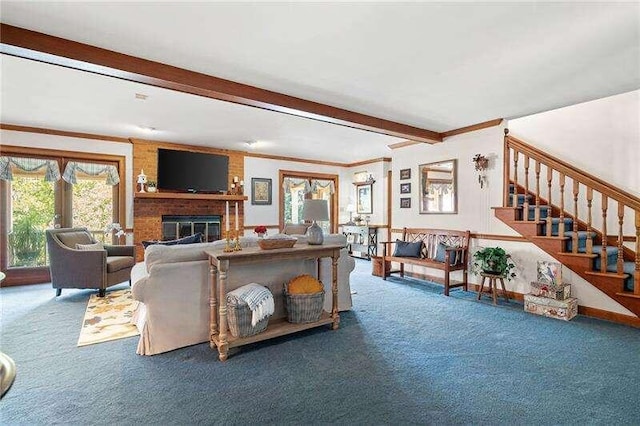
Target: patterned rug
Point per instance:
(108, 318)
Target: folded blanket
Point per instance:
(259, 299)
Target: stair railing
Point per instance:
(515, 148)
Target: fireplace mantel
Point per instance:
(190, 196)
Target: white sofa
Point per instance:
(172, 286)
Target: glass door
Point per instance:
(92, 204)
(295, 187)
(31, 209)
(35, 196)
(323, 192)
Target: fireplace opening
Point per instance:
(179, 226)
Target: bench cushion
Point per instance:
(440, 254)
(406, 249)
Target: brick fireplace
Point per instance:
(149, 212)
(148, 209)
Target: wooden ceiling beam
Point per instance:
(472, 128)
(45, 48)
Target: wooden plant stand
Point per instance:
(492, 286)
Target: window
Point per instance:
(35, 196)
(31, 210)
(295, 187)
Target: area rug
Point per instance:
(108, 318)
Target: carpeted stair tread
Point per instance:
(581, 234)
(521, 198)
(555, 224)
(612, 256)
(627, 268)
(582, 240)
(544, 212)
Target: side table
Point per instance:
(492, 286)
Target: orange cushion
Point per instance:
(304, 284)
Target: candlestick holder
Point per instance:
(237, 244)
(227, 247)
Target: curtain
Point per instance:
(92, 169)
(289, 183)
(309, 186)
(322, 184)
(52, 172)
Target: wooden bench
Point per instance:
(455, 242)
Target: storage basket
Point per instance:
(303, 308)
(239, 318)
(273, 243)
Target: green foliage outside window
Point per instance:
(92, 204)
(32, 201)
(33, 210)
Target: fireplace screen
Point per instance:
(174, 227)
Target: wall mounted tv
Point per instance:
(192, 171)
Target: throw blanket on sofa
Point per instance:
(259, 299)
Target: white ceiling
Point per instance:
(438, 66)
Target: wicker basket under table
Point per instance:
(239, 319)
(303, 308)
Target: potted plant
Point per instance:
(493, 260)
(151, 186)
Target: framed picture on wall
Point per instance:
(405, 203)
(365, 199)
(405, 188)
(261, 192)
(405, 174)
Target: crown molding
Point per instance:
(44, 131)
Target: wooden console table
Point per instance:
(220, 264)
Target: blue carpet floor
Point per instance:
(404, 355)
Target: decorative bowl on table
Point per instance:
(276, 242)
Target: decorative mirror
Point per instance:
(438, 188)
(364, 197)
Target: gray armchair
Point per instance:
(73, 268)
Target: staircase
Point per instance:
(576, 233)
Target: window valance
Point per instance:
(289, 183)
(312, 185)
(52, 172)
(92, 169)
(323, 184)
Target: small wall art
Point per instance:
(405, 174)
(405, 188)
(261, 191)
(405, 203)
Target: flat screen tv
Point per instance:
(192, 171)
